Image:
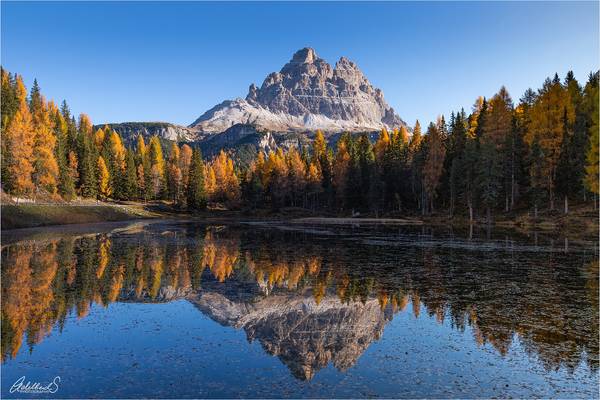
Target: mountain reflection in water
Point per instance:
(311, 300)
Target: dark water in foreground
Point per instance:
(182, 310)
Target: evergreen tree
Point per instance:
(35, 98)
(455, 154)
(489, 174)
(537, 187)
(591, 168)
(568, 176)
(367, 174)
(340, 171)
(196, 195)
(467, 168)
(10, 101)
(68, 177)
(416, 159)
(547, 125)
(88, 156)
(434, 161)
(130, 187)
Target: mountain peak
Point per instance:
(306, 55)
(307, 94)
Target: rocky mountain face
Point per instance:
(129, 131)
(307, 94)
(304, 335)
(290, 105)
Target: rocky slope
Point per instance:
(289, 324)
(307, 94)
(304, 335)
(129, 131)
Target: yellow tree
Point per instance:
(313, 178)
(73, 165)
(547, 124)
(296, 174)
(45, 166)
(403, 136)
(104, 187)
(232, 184)
(474, 117)
(99, 137)
(219, 166)
(499, 120)
(415, 140)
(226, 183)
(319, 149)
(185, 159)
(157, 165)
(210, 181)
(279, 185)
(262, 169)
(381, 145)
(340, 170)
(117, 150)
(19, 138)
(174, 175)
(140, 148)
(85, 124)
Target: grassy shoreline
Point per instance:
(38, 215)
(30, 215)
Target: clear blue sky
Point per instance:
(173, 61)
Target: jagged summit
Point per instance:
(303, 56)
(306, 94)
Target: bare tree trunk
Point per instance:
(566, 205)
(506, 203)
(512, 180)
(470, 211)
(535, 210)
(488, 212)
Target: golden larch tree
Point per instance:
(19, 138)
(85, 124)
(103, 179)
(45, 166)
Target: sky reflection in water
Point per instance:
(398, 312)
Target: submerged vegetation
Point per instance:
(498, 158)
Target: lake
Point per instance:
(173, 309)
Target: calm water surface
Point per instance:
(187, 310)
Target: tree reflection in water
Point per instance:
(311, 300)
